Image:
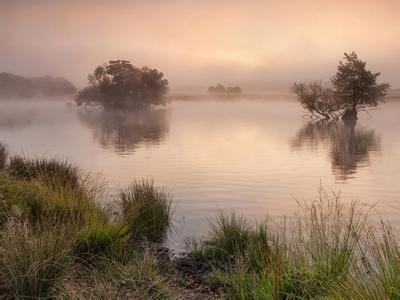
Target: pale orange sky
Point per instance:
(198, 43)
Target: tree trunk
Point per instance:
(350, 117)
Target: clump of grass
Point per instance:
(138, 278)
(377, 271)
(229, 236)
(21, 199)
(3, 156)
(40, 204)
(31, 264)
(317, 259)
(147, 211)
(242, 283)
(51, 226)
(99, 240)
(51, 171)
(327, 238)
(232, 237)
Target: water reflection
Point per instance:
(125, 131)
(349, 146)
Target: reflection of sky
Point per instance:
(221, 155)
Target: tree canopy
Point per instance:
(353, 88)
(120, 85)
(220, 89)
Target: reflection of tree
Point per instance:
(349, 146)
(125, 131)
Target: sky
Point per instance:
(259, 45)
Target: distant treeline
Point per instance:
(13, 86)
(220, 89)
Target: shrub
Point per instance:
(146, 210)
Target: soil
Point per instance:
(188, 275)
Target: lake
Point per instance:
(255, 156)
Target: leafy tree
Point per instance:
(120, 85)
(354, 88)
(219, 88)
(234, 90)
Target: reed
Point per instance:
(3, 156)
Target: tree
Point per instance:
(234, 90)
(354, 88)
(120, 85)
(317, 99)
(218, 89)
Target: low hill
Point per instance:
(13, 86)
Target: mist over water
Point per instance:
(254, 156)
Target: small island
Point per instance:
(220, 89)
(14, 86)
(119, 85)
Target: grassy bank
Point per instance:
(57, 241)
(326, 251)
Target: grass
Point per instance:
(32, 264)
(377, 274)
(57, 242)
(50, 171)
(101, 240)
(3, 156)
(139, 278)
(330, 252)
(38, 203)
(146, 210)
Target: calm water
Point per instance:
(252, 156)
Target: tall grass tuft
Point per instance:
(326, 239)
(39, 203)
(32, 263)
(229, 236)
(51, 171)
(316, 260)
(147, 211)
(377, 271)
(99, 240)
(3, 156)
(57, 242)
